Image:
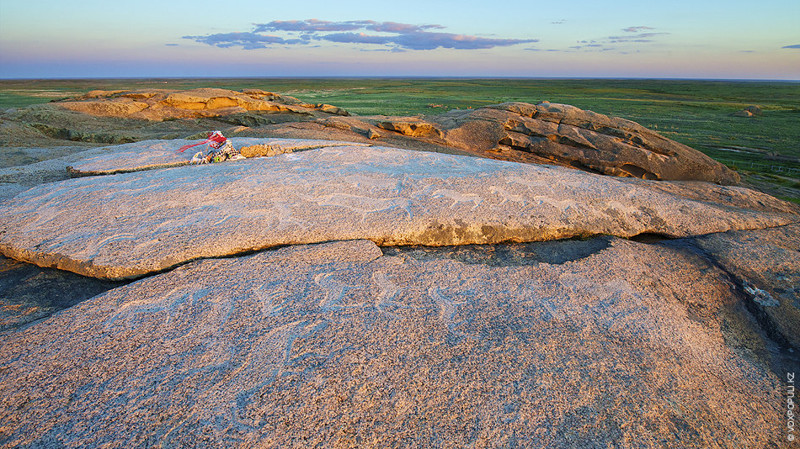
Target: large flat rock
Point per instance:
(337, 345)
(135, 223)
(152, 154)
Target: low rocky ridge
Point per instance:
(543, 133)
(132, 224)
(204, 102)
(339, 345)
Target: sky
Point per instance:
(707, 39)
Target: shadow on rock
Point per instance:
(29, 293)
(512, 254)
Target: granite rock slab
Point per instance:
(132, 224)
(152, 154)
(338, 345)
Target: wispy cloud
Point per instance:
(248, 41)
(792, 46)
(393, 36)
(636, 29)
(634, 35)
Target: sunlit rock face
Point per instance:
(569, 136)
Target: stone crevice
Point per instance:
(769, 328)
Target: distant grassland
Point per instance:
(696, 113)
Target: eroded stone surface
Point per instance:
(135, 223)
(162, 154)
(337, 345)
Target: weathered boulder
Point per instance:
(338, 345)
(136, 223)
(565, 135)
(411, 127)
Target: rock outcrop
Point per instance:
(204, 102)
(137, 223)
(339, 345)
(765, 264)
(29, 293)
(750, 111)
(565, 135)
(543, 133)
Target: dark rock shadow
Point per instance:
(29, 293)
(555, 252)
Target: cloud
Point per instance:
(792, 46)
(248, 41)
(642, 37)
(636, 29)
(311, 25)
(356, 38)
(636, 35)
(393, 36)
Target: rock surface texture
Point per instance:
(136, 223)
(338, 345)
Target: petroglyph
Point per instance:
(447, 308)
(334, 292)
(386, 294)
(364, 205)
(508, 197)
(458, 197)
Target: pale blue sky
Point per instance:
(575, 38)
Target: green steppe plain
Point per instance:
(765, 149)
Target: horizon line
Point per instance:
(429, 77)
